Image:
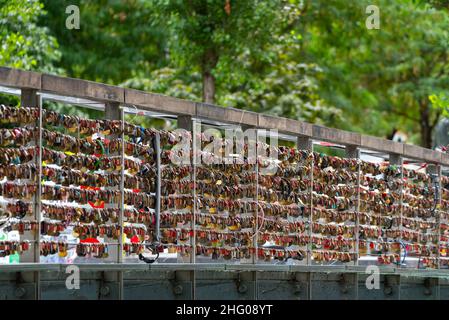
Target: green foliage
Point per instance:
(380, 79)
(256, 57)
(170, 82)
(199, 26)
(281, 85)
(439, 4)
(117, 40)
(24, 44)
(440, 103)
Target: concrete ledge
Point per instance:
(444, 159)
(159, 103)
(383, 145)
(299, 127)
(29, 267)
(257, 267)
(420, 153)
(113, 267)
(284, 125)
(82, 89)
(231, 115)
(19, 78)
(336, 135)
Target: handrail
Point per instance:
(78, 88)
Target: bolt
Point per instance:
(242, 288)
(297, 291)
(105, 290)
(427, 287)
(20, 292)
(178, 289)
(388, 291)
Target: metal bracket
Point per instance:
(241, 288)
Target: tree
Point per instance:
(268, 77)
(25, 44)
(117, 40)
(380, 78)
(204, 33)
(279, 81)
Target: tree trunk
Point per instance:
(208, 87)
(425, 125)
(209, 62)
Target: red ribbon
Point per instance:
(92, 204)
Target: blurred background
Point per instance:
(311, 60)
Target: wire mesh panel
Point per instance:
(443, 214)
(380, 213)
(284, 204)
(19, 222)
(81, 174)
(177, 204)
(334, 210)
(139, 187)
(225, 196)
(420, 226)
(87, 190)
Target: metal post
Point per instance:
(194, 207)
(195, 149)
(122, 184)
(113, 111)
(354, 153)
(440, 197)
(157, 148)
(310, 251)
(438, 214)
(122, 198)
(29, 98)
(189, 124)
(436, 170)
(398, 160)
(256, 221)
(38, 205)
(306, 143)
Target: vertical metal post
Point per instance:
(38, 205)
(354, 153)
(306, 143)
(157, 148)
(399, 161)
(29, 98)
(195, 158)
(189, 124)
(438, 214)
(310, 251)
(194, 207)
(113, 111)
(256, 221)
(436, 170)
(357, 216)
(122, 198)
(122, 183)
(440, 197)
